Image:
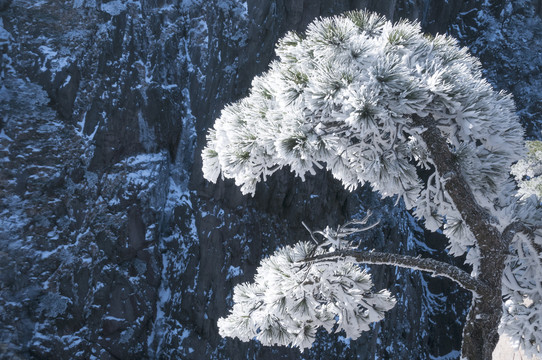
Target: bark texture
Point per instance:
(435, 267)
(480, 334)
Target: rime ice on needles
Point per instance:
(291, 298)
(522, 280)
(342, 96)
(340, 238)
(528, 171)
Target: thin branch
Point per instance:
(343, 231)
(435, 267)
(310, 232)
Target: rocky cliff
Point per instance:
(112, 246)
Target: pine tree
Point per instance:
(375, 102)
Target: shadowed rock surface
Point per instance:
(112, 246)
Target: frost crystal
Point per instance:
(528, 171)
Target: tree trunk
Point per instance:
(480, 334)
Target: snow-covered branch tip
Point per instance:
(341, 237)
(290, 299)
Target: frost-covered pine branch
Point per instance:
(374, 102)
(291, 298)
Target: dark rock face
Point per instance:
(510, 54)
(112, 246)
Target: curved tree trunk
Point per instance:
(480, 334)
